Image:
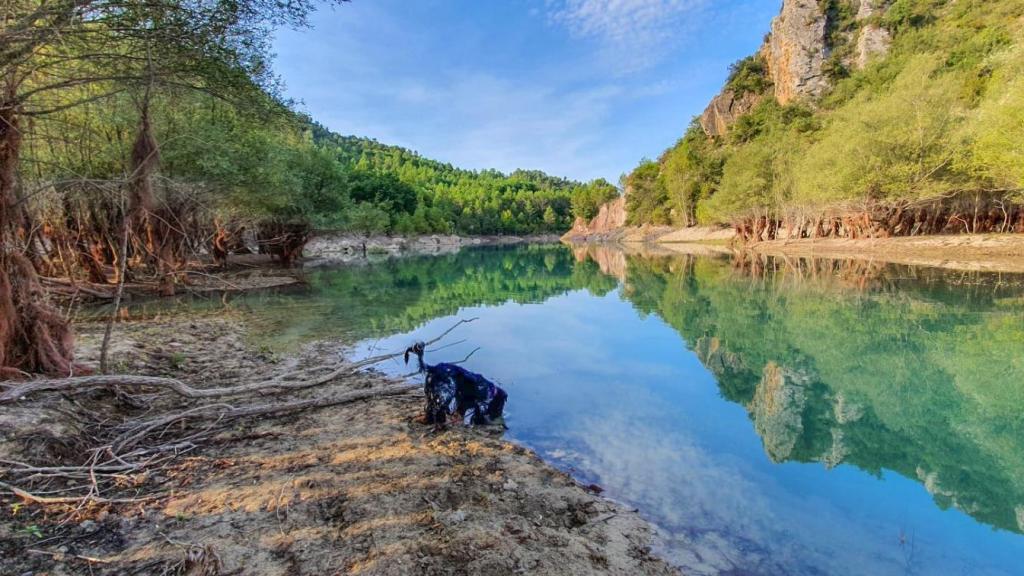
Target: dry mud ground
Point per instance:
(355, 489)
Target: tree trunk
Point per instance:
(34, 337)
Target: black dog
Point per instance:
(451, 389)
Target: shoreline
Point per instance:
(359, 488)
(970, 253)
(327, 247)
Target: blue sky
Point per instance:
(577, 88)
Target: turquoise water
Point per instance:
(768, 417)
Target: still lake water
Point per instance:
(800, 417)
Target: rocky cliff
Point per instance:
(873, 39)
(610, 218)
(806, 39)
(796, 51)
(796, 56)
(725, 109)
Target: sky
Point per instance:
(577, 88)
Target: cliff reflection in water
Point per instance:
(881, 367)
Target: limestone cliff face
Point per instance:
(724, 110)
(796, 51)
(610, 218)
(873, 39)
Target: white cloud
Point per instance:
(486, 102)
(631, 34)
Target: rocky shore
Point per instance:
(328, 247)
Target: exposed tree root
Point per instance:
(34, 336)
(964, 213)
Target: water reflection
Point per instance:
(771, 416)
(881, 367)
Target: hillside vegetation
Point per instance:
(390, 189)
(916, 129)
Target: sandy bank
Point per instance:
(356, 489)
(983, 253)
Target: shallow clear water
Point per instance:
(769, 417)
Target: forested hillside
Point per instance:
(391, 189)
(857, 118)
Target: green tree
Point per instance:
(646, 196)
(56, 55)
(587, 199)
(368, 219)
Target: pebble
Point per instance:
(455, 517)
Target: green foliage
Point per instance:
(904, 14)
(423, 195)
(841, 31)
(768, 116)
(381, 188)
(230, 146)
(587, 200)
(277, 165)
(31, 531)
(646, 196)
(748, 181)
(749, 75)
(368, 219)
(900, 145)
(997, 132)
(940, 115)
(690, 174)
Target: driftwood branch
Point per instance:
(129, 381)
